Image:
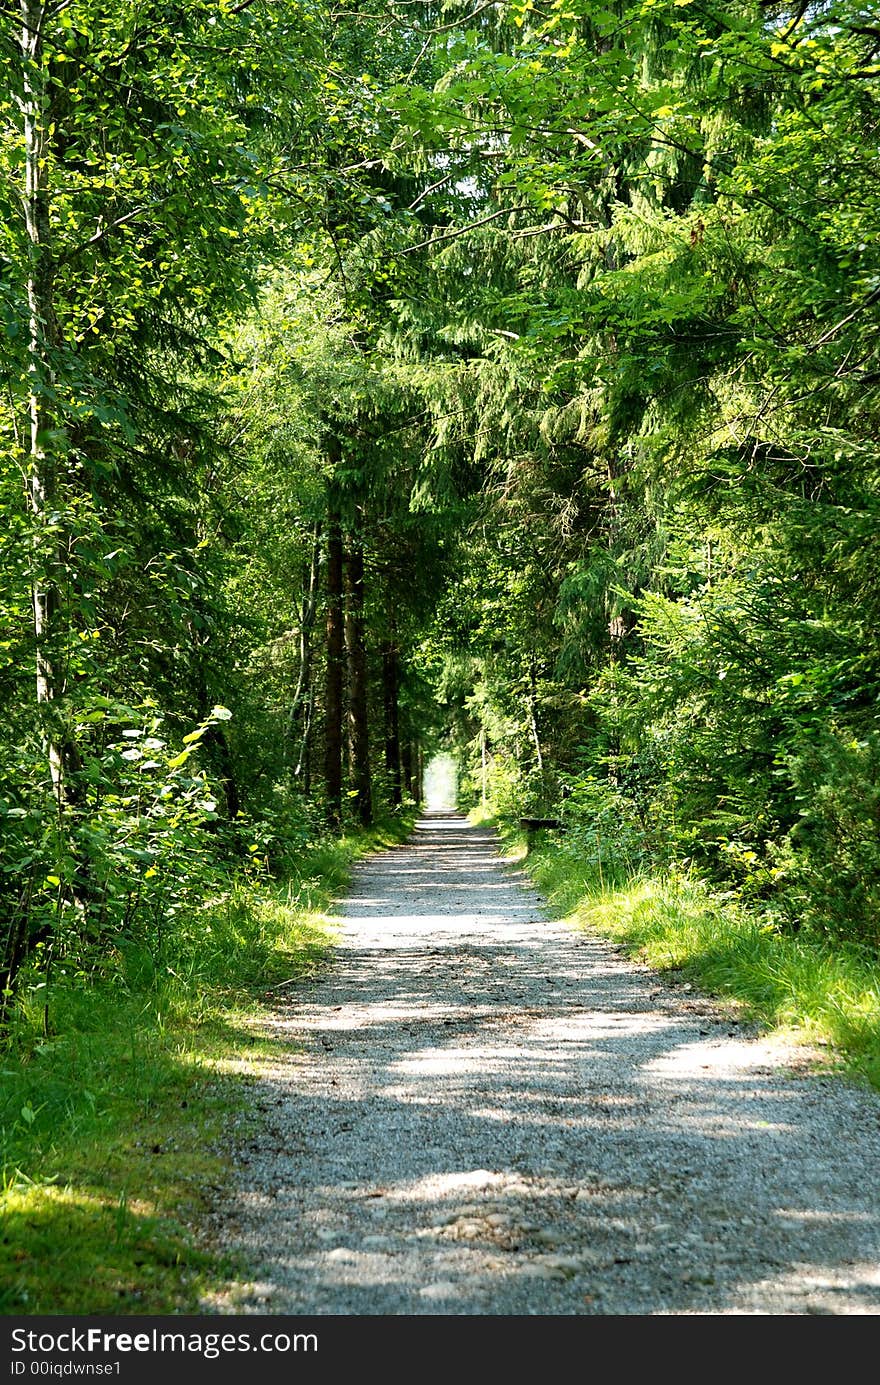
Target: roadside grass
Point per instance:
(113, 1120)
(800, 986)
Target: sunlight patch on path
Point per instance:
(479, 1110)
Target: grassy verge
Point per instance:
(111, 1124)
(803, 987)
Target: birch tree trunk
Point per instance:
(406, 767)
(335, 671)
(42, 478)
(532, 714)
(300, 719)
(358, 710)
(391, 706)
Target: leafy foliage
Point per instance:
(500, 377)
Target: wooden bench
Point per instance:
(532, 825)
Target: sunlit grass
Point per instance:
(113, 1124)
(806, 987)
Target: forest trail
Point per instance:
(481, 1111)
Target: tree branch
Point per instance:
(461, 230)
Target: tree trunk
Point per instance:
(215, 739)
(391, 704)
(358, 710)
(300, 718)
(406, 765)
(532, 711)
(335, 663)
(42, 332)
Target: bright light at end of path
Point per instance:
(441, 784)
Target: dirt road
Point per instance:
(480, 1111)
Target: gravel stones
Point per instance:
(480, 1111)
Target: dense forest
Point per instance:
(499, 378)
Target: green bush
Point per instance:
(829, 863)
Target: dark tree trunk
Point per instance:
(391, 703)
(335, 671)
(358, 709)
(215, 740)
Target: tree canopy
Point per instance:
(498, 377)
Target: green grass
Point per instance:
(112, 1123)
(804, 987)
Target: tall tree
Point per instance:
(358, 704)
(334, 655)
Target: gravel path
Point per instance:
(480, 1111)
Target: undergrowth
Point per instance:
(822, 992)
(118, 1090)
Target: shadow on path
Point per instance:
(480, 1110)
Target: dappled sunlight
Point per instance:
(434, 1062)
(55, 1239)
(729, 1060)
(437, 925)
(444, 823)
(828, 1289)
(464, 1180)
(488, 1105)
(819, 1216)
